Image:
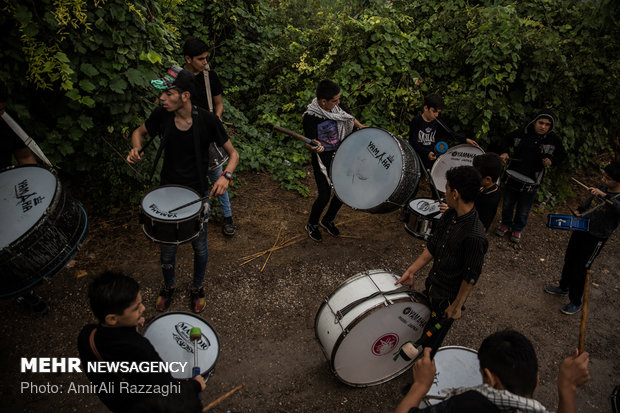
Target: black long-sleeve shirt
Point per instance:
(124, 344)
(605, 219)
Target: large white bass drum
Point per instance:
(363, 323)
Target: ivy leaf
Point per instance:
(89, 69)
(135, 77)
(85, 122)
(118, 85)
(86, 85)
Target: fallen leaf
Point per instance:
(81, 273)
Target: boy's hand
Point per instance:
(201, 380)
(505, 157)
(574, 371)
(596, 192)
(432, 156)
(472, 142)
(424, 371)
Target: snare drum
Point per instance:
(165, 227)
(518, 181)
(217, 156)
(42, 227)
(459, 155)
(364, 322)
(568, 222)
(374, 171)
(424, 215)
(456, 367)
(169, 334)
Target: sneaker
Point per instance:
(164, 299)
(313, 232)
(571, 309)
(515, 237)
(552, 289)
(228, 228)
(198, 300)
(330, 227)
(502, 230)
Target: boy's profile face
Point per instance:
(430, 114)
(197, 63)
(329, 104)
(171, 100)
(131, 317)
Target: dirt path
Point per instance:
(265, 320)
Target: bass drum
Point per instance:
(374, 171)
(364, 322)
(42, 227)
(459, 155)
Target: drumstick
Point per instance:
(295, 135)
(189, 203)
(221, 398)
(588, 188)
(584, 313)
(195, 334)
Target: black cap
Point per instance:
(175, 78)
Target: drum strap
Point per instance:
(208, 88)
(93, 348)
(164, 138)
(344, 310)
(197, 128)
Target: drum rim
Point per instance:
(58, 193)
(449, 149)
(401, 143)
(207, 373)
(352, 325)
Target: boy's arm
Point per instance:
(423, 375)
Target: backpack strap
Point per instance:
(93, 348)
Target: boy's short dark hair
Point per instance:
(111, 293)
(193, 46)
(510, 356)
(489, 164)
(433, 100)
(326, 89)
(613, 170)
(466, 180)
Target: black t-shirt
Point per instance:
(180, 166)
(9, 143)
(200, 95)
(486, 205)
(323, 130)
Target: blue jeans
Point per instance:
(516, 218)
(224, 200)
(168, 253)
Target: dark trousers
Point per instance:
(582, 249)
(324, 189)
(516, 208)
(437, 327)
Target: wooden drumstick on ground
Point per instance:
(221, 398)
(584, 313)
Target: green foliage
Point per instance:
(86, 64)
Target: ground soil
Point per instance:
(265, 319)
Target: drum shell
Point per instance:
(217, 156)
(177, 231)
(177, 346)
(568, 222)
(337, 334)
(45, 248)
(419, 225)
(408, 180)
(513, 181)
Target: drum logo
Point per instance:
(155, 209)
(382, 158)
(415, 322)
(385, 344)
(24, 198)
(182, 338)
(463, 154)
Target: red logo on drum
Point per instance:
(385, 344)
(183, 340)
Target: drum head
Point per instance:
(365, 356)
(519, 176)
(158, 202)
(458, 155)
(367, 168)
(169, 334)
(456, 367)
(25, 194)
(425, 206)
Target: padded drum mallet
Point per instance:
(195, 334)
